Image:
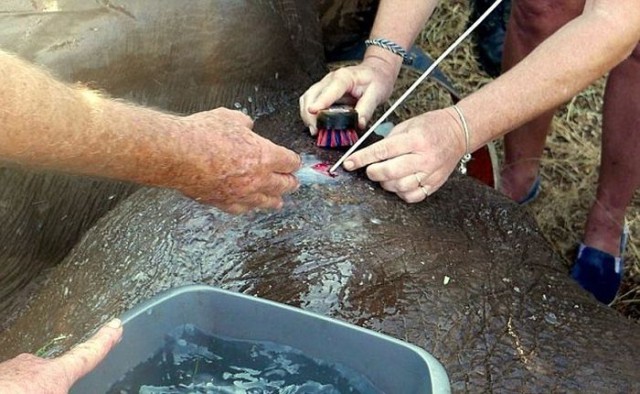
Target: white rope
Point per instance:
(415, 85)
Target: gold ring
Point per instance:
(418, 179)
(425, 191)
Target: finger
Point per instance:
(429, 186)
(397, 167)
(280, 184)
(311, 94)
(334, 87)
(308, 118)
(86, 356)
(233, 209)
(280, 159)
(435, 181)
(270, 202)
(405, 184)
(255, 201)
(415, 195)
(366, 106)
(386, 149)
(270, 185)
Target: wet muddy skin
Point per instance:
(466, 274)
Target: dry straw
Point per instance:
(572, 154)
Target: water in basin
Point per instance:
(192, 361)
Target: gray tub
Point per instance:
(393, 366)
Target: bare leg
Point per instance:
(597, 268)
(619, 175)
(531, 22)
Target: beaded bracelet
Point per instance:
(391, 47)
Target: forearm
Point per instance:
(563, 65)
(399, 21)
(48, 124)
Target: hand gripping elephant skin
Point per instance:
(466, 275)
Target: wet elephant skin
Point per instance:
(509, 320)
(155, 53)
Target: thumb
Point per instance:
(86, 356)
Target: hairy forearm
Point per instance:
(563, 65)
(48, 124)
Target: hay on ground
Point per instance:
(572, 155)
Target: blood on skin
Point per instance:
(324, 168)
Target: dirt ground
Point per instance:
(571, 160)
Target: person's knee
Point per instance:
(541, 18)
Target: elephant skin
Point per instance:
(466, 275)
(156, 53)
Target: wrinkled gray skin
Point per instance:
(509, 320)
(161, 54)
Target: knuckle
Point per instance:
(345, 77)
(380, 151)
(257, 201)
(291, 183)
(222, 110)
(404, 187)
(236, 209)
(272, 203)
(380, 172)
(342, 74)
(388, 186)
(388, 172)
(373, 174)
(414, 138)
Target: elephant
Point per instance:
(465, 275)
(101, 44)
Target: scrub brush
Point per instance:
(337, 127)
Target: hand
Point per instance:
(28, 374)
(368, 84)
(416, 158)
(225, 164)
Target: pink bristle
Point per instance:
(322, 138)
(328, 138)
(339, 122)
(353, 137)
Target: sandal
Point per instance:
(533, 193)
(599, 272)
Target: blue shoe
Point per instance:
(599, 272)
(532, 194)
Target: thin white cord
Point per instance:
(415, 85)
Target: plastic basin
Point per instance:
(393, 366)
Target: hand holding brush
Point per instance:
(337, 127)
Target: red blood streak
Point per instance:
(324, 168)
